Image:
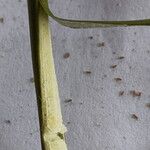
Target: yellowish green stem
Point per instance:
(51, 126)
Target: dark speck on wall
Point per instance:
(1, 20)
(121, 93)
(135, 117)
(113, 66)
(31, 133)
(121, 57)
(7, 122)
(105, 76)
(90, 37)
(135, 93)
(117, 79)
(102, 44)
(148, 105)
(87, 72)
(68, 101)
(66, 55)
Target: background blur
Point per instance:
(103, 77)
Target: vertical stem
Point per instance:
(52, 129)
(33, 25)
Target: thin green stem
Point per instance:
(92, 24)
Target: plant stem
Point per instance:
(91, 23)
(51, 127)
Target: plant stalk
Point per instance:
(51, 126)
(71, 23)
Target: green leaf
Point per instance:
(89, 23)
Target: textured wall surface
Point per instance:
(104, 80)
(19, 128)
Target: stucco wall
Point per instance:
(97, 117)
